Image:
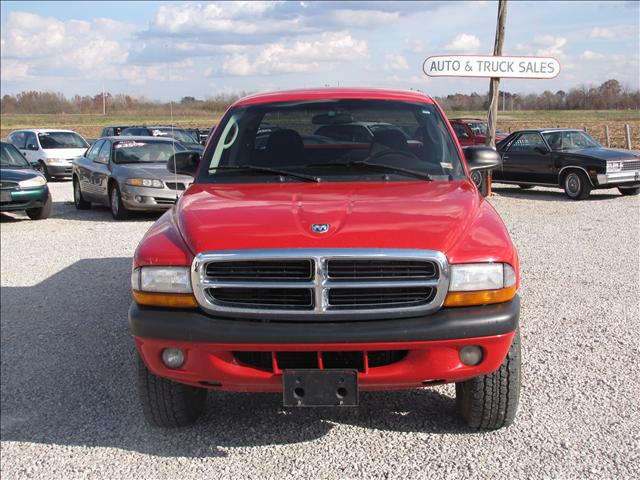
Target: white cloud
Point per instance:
(550, 46)
(365, 18)
(13, 70)
(601, 32)
(464, 43)
(303, 55)
(395, 62)
(589, 55)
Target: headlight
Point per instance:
(613, 167)
(36, 181)
(480, 284)
(163, 287)
(144, 182)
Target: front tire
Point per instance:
(629, 190)
(42, 168)
(168, 404)
(118, 210)
(42, 212)
(491, 401)
(576, 185)
(78, 199)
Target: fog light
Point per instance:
(471, 355)
(172, 357)
(139, 199)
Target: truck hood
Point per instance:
(446, 216)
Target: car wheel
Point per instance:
(42, 168)
(629, 190)
(526, 187)
(118, 210)
(576, 185)
(42, 212)
(78, 199)
(491, 401)
(168, 404)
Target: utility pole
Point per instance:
(104, 102)
(494, 83)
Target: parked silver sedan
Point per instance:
(128, 174)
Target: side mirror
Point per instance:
(32, 146)
(481, 158)
(184, 163)
(541, 150)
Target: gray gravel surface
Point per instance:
(69, 408)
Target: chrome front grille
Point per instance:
(320, 284)
(630, 165)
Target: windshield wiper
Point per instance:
(406, 171)
(277, 171)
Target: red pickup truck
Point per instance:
(320, 268)
(473, 131)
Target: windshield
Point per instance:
(570, 140)
(138, 151)
(332, 141)
(11, 158)
(61, 140)
(176, 133)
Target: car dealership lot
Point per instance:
(68, 398)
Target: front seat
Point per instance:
(285, 148)
(388, 140)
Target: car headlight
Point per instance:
(480, 284)
(36, 181)
(613, 167)
(144, 182)
(163, 287)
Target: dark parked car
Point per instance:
(128, 173)
(566, 158)
(188, 140)
(22, 187)
(472, 131)
(113, 131)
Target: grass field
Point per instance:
(594, 121)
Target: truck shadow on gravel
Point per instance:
(68, 378)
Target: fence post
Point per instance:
(627, 132)
(606, 136)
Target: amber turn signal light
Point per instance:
(172, 300)
(481, 297)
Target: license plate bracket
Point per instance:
(320, 388)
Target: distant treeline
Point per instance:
(611, 95)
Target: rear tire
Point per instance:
(576, 185)
(118, 210)
(491, 401)
(629, 190)
(42, 212)
(78, 199)
(168, 404)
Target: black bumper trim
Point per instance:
(446, 324)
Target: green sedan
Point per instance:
(21, 187)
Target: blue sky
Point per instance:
(164, 50)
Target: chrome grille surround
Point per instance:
(320, 283)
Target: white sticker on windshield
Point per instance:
(159, 133)
(129, 144)
(446, 165)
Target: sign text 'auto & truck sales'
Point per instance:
(490, 66)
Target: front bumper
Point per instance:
(430, 345)
(60, 169)
(620, 178)
(24, 199)
(148, 199)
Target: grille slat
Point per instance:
(379, 297)
(285, 298)
(356, 269)
(260, 271)
(630, 165)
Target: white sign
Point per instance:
(490, 66)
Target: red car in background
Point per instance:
(472, 131)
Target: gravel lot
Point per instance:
(69, 408)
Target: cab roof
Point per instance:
(334, 94)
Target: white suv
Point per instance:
(49, 151)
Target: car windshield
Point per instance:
(61, 140)
(142, 151)
(331, 141)
(176, 133)
(11, 158)
(570, 140)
